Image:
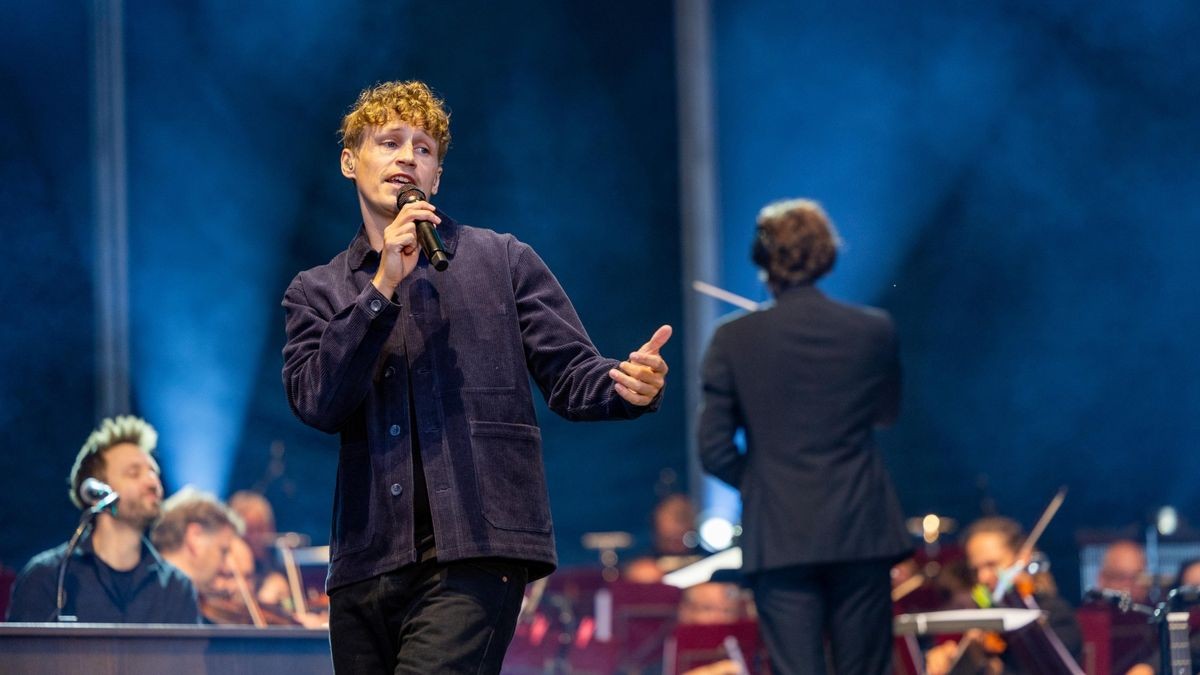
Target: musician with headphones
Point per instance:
(807, 379)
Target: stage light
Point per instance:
(716, 533)
(1167, 521)
(931, 528)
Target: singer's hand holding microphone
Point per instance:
(403, 240)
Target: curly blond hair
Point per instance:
(411, 102)
(89, 463)
(795, 243)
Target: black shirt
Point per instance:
(152, 592)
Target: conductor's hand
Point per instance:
(400, 247)
(639, 379)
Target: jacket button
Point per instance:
(397, 489)
(376, 305)
(395, 430)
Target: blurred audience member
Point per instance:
(195, 534)
(115, 575)
(1123, 569)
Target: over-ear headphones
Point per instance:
(760, 250)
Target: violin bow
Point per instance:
(1009, 575)
(295, 581)
(252, 607)
(725, 296)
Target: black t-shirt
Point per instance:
(152, 592)
(423, 537)
(123, 586)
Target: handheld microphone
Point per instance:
(427, 234)
(92, 491)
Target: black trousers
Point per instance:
(429, 617)
(848, 602)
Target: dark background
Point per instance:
(1015, 182)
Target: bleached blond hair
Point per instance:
(89, 463)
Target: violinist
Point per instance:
(993, 549)
(259, 516)
(237, 596)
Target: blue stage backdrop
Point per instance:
(1014, 181)
(558, 137)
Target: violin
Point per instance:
(1016, 588)
(233, 611)
(242, 608)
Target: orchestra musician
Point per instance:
(1123, 569)
(674, 526)
(993, 548)
(239, 596)
(1133, 642)
(195, 533)
(259, 517)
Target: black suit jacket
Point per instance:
(807, 380)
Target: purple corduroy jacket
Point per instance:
(469, 338)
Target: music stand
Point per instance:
(1037, 649)
(692, 646)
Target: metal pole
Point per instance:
(111, 250)
(697, 200)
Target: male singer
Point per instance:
(115, 575)
(807, 380)
(441, 512)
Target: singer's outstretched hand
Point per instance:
(400, 247)
(639, 379)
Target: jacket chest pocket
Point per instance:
(476, 346)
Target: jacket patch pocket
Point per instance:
(510, 477)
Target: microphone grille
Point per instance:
(409, 193)
(93, 490)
